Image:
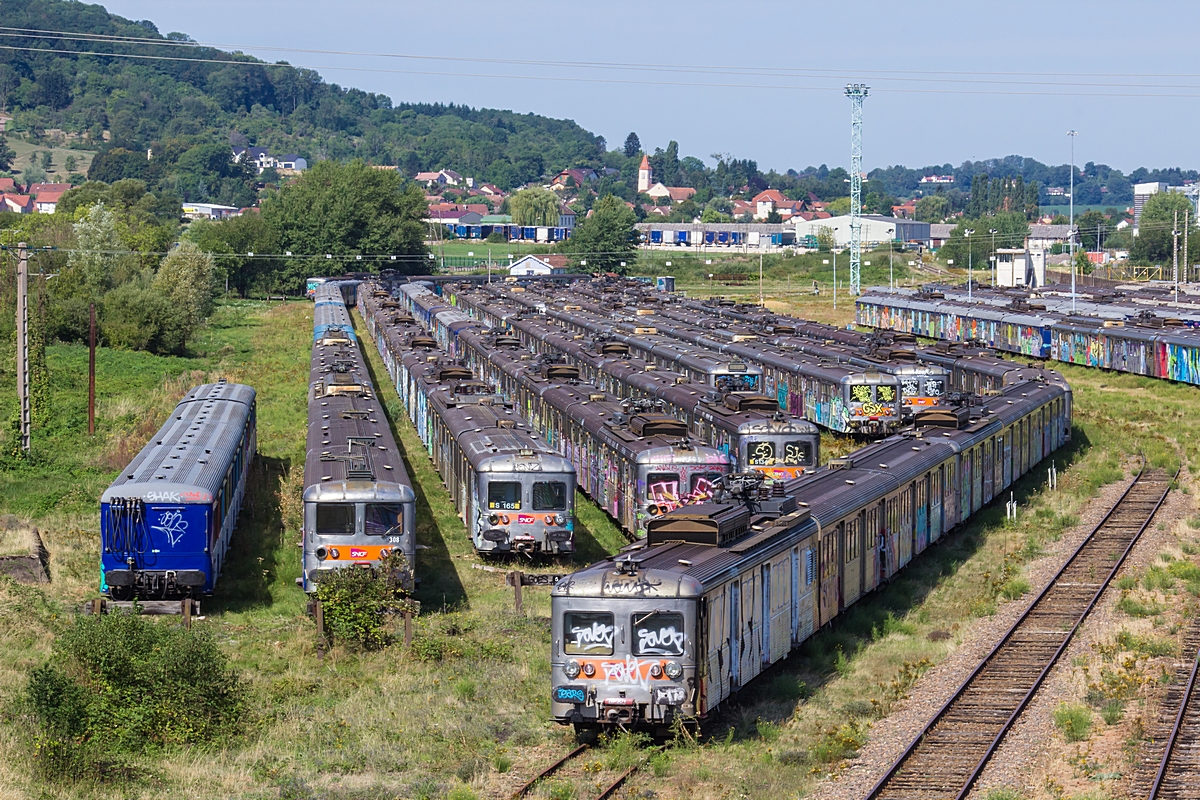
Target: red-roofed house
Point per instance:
(580, 175)
(20, 203)
(46, 201)
(767, 201)
(37, 188)
(676, 194)
(9, 185)
(905, 210)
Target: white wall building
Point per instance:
(1141, 193)
(1019, 267)
(875, 229)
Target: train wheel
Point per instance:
(121, 593)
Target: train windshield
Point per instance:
(797, 453)
(761, 454)
(383, 517)
(657, 634)
(588, 633)
(663, 487)
(504, 495)
(550, 496)
(737, 383)
(335, 519)
(703, 484)
(934, 387)
(922, 386)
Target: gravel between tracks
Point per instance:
(889, 736)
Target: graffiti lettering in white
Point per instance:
(631, 673)
(631, 586)
(669, 695)
(662, 642)
(163, 497)
(596, 637)
(173, 525)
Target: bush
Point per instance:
(120, 684)
(357, 601)
(1074, 721)
(1014, 588)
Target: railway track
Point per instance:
(605, 793)
(947, 757)
(1178, 771)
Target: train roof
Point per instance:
(187, 457)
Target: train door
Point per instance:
(922, 533)
(750, 664)
(735, 634)
(904, 524)
(977, 472)
(795, 596)
(828, 566)
(878, 545)
(852, 562)
(1006, 443)
(765, 626)
(988, 449)
(935, 503)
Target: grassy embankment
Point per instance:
(465, 704)
(469, 703)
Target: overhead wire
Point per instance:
(1069, 88)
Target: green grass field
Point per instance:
(467, 706)
(58, 171)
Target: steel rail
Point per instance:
(897, 766)
(548, 771)
(1159, 777)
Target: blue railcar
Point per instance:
(166, 521)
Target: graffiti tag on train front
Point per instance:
(638, 585)
(665, 641)
(173, 525)
(597, 637)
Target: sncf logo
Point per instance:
(358, 552)
(524, 519)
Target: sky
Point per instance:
(765, 81)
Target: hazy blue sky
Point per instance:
(949, 113)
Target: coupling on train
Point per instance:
(359, 504)
(668, 628)
(167, 519)
(513, 492)
(635, 466)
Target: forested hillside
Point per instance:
(187, 112)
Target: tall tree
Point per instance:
(633, 145)
(933, 208)
(606, 238)
(534, 207)
(346, 209)
(7, 156)
(1153, 243)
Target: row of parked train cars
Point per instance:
(1137, 329)
(740, 546)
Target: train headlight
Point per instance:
(494, 519)
(559, 519)
(572, 669)
(384, 552)
(652, 510)
(655, 671)
(589, 670)
(674, 670)
(322, 553)
(333, 553)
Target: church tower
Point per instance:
(645, 175)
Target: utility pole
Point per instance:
(92, 369)
(1175, 253)
(970, 264)
(1187, 264)
(1071, 227)
(23, 342)
(992, 231)
(856, 92)
(760, 286)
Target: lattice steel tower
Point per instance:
(856, 92)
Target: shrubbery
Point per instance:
(358, 602)
(121, 684)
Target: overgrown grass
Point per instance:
(1075, 722)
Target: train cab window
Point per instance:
(703, 483)
(663, 483)
(588, 633)
(934, 387)
(797, 453)
(504, 495)
(335, 519)
(550, 496)
(657, 634)
(761, 454)
(382, 518)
